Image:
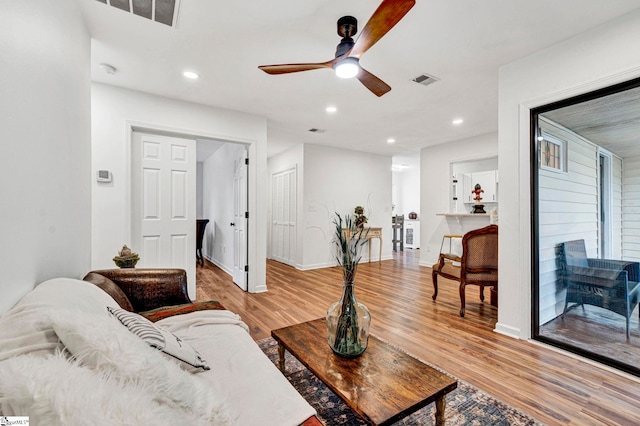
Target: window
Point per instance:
(552, 153)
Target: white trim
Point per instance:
(222, 266)
(270, 255)
(562, 145)
(581, 89)
(130, 126)
(524, 186)
(507, 330)
(605, 248)
(524, 254)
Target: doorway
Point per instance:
(170, 190)
(585, 157)
(223, 200)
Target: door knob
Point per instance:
(232, 224)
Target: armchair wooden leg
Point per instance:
(434, 278)
(462, 299)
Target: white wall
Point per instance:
(218, 201)
(199, 195)
(598, 58)
(337, 180)
(114, 111)
(45, 209)
(435, 187)
(406, 185)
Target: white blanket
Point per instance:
(27, 329)
(254, 387)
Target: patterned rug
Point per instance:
(466, 405)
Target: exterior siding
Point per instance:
(568, 210)
(631, 209)
(616, 207)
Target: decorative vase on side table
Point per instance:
(348, 320)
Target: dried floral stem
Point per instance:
(347, 329)
(349, 239)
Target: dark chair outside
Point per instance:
(606, 283)
(201, 224)
(478, 264)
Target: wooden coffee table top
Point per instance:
(382, 385)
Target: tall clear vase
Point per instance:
(348, 324)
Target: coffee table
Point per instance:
(382, 385)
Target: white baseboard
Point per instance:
(220, 265)
(507, 330)
(427, 264)
(315, 266)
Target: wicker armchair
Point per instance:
(606, 283)
(478, 264)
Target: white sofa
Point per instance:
(105, 374)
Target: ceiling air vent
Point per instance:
(425, 79)
(314, 130)
(163, 11)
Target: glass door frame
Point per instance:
(535, 222)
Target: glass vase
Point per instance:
(348, 324)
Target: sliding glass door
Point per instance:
(585, 173)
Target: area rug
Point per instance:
(466, 405)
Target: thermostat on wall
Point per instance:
(104, 176)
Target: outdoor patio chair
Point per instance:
(605, 283)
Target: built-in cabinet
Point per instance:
(488, 181)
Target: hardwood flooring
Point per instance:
(599, 331)
(553, 388)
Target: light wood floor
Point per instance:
(547, 385)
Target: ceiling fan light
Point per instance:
(347, 68)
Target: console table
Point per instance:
(369, 234)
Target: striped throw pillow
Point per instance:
(159, 338)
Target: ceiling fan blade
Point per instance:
(386, 16)
(289, 68)
(373, 83)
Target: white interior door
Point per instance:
(163, 198)
(283, 211)
(240, 216)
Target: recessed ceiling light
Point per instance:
(457, 121)
(190, 74)
(331, 109)
(391, 140)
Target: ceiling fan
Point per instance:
(348, 53)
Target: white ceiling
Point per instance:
(461, 42)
